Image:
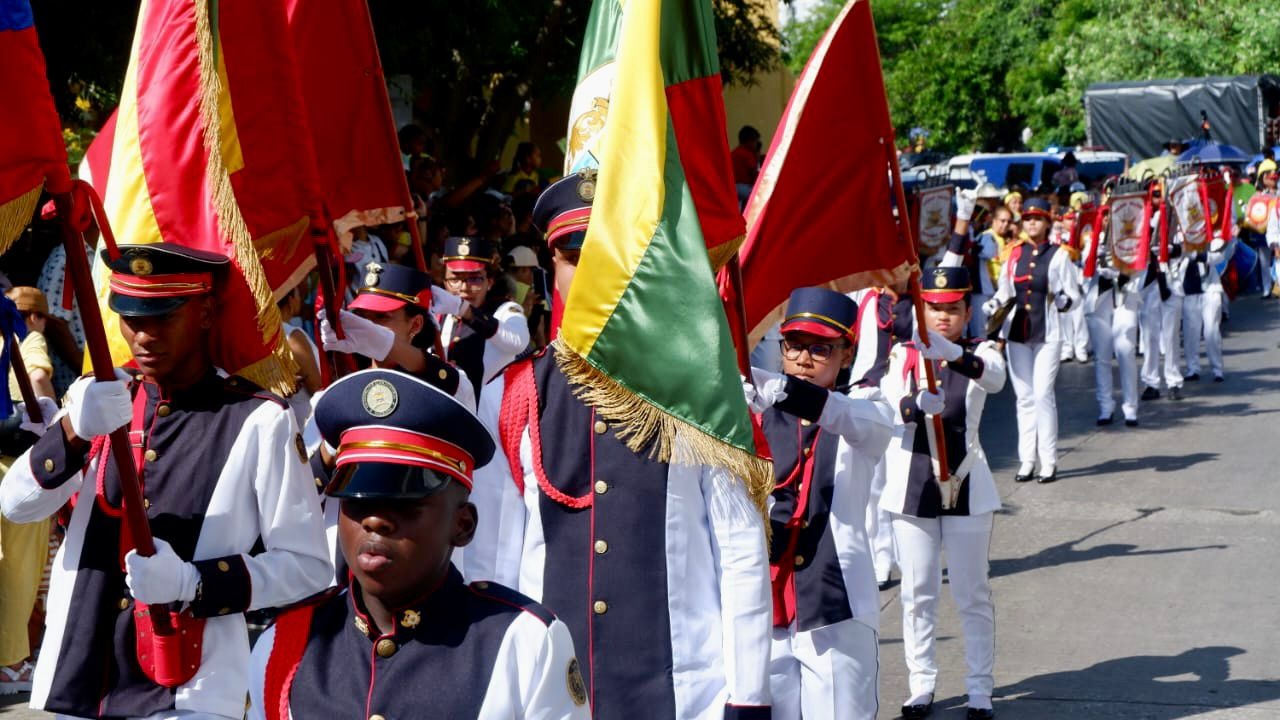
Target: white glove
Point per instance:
(1217, 244)
(363, 337)
(98, 407)
(990, 307)
(48, 409)
(161, 578)
(931, 403)
(769, 388)
(1109, 273)
(965, 200)
(444, 302)
(1062, 302)
(939, 348)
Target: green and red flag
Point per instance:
(822, 210)
(695, 97)
(644, 335)
(211, 151)
(32, 152)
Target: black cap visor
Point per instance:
(387, 481)
(144, 307)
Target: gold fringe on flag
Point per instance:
(277, 372)
(669, 439)
(15, 216)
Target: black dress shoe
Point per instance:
(1105, 420)
(1131, 423)
(1150, 394)
(1175, 393)
(1046, 479)
(980, 714)
(1193, 377)
(916, 712)
(1219, 378)
(1023, 478)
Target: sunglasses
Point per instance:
(817, 351)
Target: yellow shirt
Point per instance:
(35, 353)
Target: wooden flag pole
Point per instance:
(135, 516)
(904, 222)
(738, 307)
(24, 380)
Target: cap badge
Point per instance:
(372, 274)
(411, 619)
(464, 249)
(587, 185)
(577, 688)
(380, 398)
(940, 280)
(140, 266)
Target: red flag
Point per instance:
(345, 98)
(822, 210)
(31, 144)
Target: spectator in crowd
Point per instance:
(528, 279)
(524, 167)
(746, 161)
(303, 349)
(1068, 174)
(413, 143)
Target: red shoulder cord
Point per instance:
(293, 627)
(782, 574)
(520, 411)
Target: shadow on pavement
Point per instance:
(1159, 463)
(1069, 552)
(1163, 687)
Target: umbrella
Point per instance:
(1214, 153)
(1150, 167)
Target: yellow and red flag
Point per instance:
(211, 150)
(31, 147)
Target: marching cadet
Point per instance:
(660, 570)
(389, 321)
(404, 618)
(1203, 297)
(976, 254)
(236, 521)
(488, 330)
(1040, 280)
(825, 444)
(929, 516)
(1112, 302)
(1150, 328)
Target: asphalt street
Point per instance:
(1142, 584)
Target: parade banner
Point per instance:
(31, 148)
(696, 106)
(931, 211)
(212, 152)
(1085, 232)
(1189, 198)
(644, 336)
(1258, 211)
(821, 212)
(1129, 231)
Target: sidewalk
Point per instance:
(1143, 583)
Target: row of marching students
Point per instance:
(515, 559)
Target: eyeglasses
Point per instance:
(817, 351)
(472, 280)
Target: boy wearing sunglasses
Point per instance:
(825, 446)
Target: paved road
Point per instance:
(1143, 584)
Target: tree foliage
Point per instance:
(976, 72)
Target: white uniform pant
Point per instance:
(830, 672)
(1202, 314)
(879, 535)
(1265, 261)
(1151, 325)
(920, 543)
(1115, 333)
(166, 715)
(1170, 324)
(1033, 370)
(1075, 332)
(978, 320)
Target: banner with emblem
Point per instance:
(931, 211)
(1190, 200)
(695, 104)
(213, 153)
(1258, 211)
(1129, 230)
(644, 337)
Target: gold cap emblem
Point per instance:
(940, 279)
(464, 248)
(587, 185)
(380, 398)
(372, 274)
(140, 266)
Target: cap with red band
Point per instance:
(945, 285)
(822, 312)
(156, 279)
(564, 210)
(466, 254)
(387, 288)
